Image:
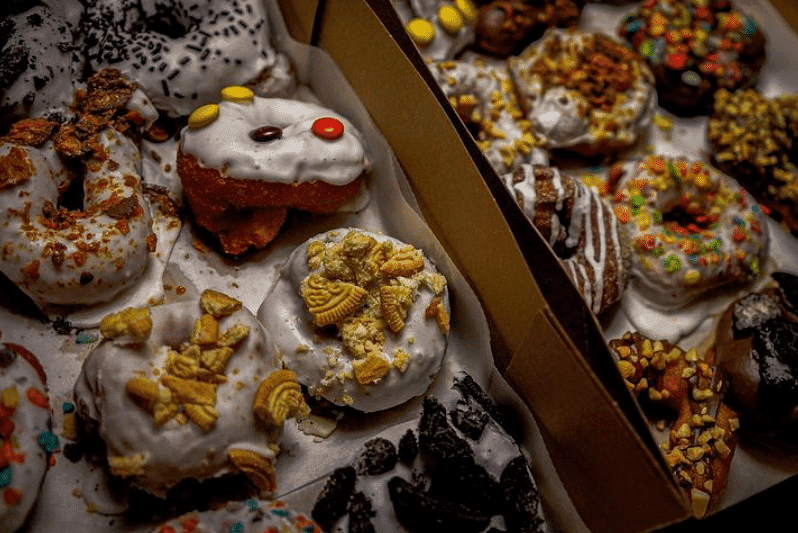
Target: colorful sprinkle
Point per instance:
(86, 338)
(49, 441)
(691, 78)
(238, 527)
(672, 264)
(6, 477)
(692, 276)
(37, 398)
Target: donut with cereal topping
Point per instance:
(584, 92)
(692, 229)
(246, 161)
(695, 48)
(187, 391)
(26, 439)
(250, 516)
(362, 318)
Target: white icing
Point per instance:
(121, 254)
(29, 421)
(225, 42)
(564, 118)
(285, 315)
(298, 156)
(251, 516)
(174, 452)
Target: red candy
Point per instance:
(328, 128)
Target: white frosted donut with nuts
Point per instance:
(484, 98)
(187, 390)
(362, 318)
(183, 52)
(584, 92)
(440, 29)
(250, 516)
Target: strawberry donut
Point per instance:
(247, 160)
(85, 254)
(692, 229)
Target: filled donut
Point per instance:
(484, 98)
(182, 53)
(756, 346)
(42, 63)
(752, 140)
(66, 253)
(695, 48)
(692, 229)
(362, 318)
(250, 516)
(247, 160)
(584, 92)
(580, 227)
(189, 390)
(440, 29)
(26, 441)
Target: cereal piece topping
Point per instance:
(132, 322)
(259, 469)
(331, 301)
(218, 304)
(279, 397)
(371, 369)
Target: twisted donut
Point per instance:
(82, 255)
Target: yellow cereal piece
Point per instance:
(9, 398)
(468, 10)
(190, 391)
(370, 370)
(405, 263)
(279, 397)
(204, 416)
(218, 304)
(206, 330)
(237, 94)
(394, 302)
(692, 276)
(259, 469)
(183, 366)
(401, 360)
(145, 393)
(438, 311)
(133, 322)
(216, 359)
(126, 465)
(203, 116)
(330, 301)
(234, 335)
(450, 19)
(421, 31)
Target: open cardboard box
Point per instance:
(546, 342)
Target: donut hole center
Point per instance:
(685, 216)
(169, 23)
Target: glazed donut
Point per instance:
(187, 391)
(251, 516)
(85, 255)
(38, 76)
(686, 390)
(695, 48)
(483, 96)
(440, 29)
(246, 161)
(579, 226)
(692, 229)
(25, 437)
(584, 92)
(755, 342)
(183, 52)
(752, 139)
(361, 318)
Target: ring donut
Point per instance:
(183, 53)
(250, 516)
(88, 254)
(189, 390)
(692, 229)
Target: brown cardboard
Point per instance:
(597, 437)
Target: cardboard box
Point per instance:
(547, 344)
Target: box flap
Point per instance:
(300, 16)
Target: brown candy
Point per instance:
(266, 134)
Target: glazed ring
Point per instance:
(187, 391)
(184, 54)
(440, 29)
(584, 92)
(362, 318)
(25, 437)
(581, 229)
(752, 139)
(484, 98)
(695, 48)
(245, 161)
(85, 255)
(692, 229)
(250, 516)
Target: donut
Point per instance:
(584, 92)
(580, 227)
(692, 229)
(183, 52)
(188, 390)
(685, 391)
(456, 468)
(484, 99)
(440, 29)
(42, 62)
(245, 161)
(695, 48)
(250, 516)
(752, 140)
(25, 437)
(755, 342)
(506, 27)
(81, 254)
(362, 318)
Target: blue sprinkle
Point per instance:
(238, 527)
(68, 407)
(634, 25)
(252, 504)
(86, 338)
(6, 477)
(281, 512)
(749, 26)
(48, 441)
(756, 209)
(692, 259)
(738, 221)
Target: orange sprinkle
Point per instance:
(623, 213)
(12, 497)
(38, 398)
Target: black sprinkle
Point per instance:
(165, 87)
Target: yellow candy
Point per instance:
(238, 94)
(692, 276)
(203, 116)
(421, 31)
(467, 9)
(450, 19)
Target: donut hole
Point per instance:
(168, 22)
(683, 217)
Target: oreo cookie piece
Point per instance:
(788, 283)
(408, 447)
(754, 310)
(379, 456)
(333, 500)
